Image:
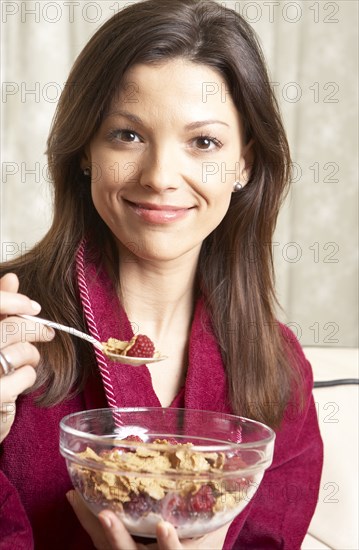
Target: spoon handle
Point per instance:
(64, 328)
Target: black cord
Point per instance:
(340, 382)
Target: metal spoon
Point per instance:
(125, 359)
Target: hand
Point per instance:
(108, 532)
(16, 348)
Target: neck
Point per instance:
(158, 296)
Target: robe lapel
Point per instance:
(206, 385)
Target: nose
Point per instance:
(159, 169)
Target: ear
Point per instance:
(246, 162)
(85, 161)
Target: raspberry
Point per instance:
(174, 509)
(139, 505)
(202, 502)
(143, 347)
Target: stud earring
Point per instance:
(87, 172)
(237, 186)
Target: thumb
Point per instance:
(167, 537)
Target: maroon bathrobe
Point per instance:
(34, 512)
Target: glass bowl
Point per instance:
(196, 469)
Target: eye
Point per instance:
(124, 135)
(207, 143)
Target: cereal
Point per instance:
(173, 497)
(119, 347)
(189, 461)
(139, 346)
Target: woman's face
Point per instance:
(165, 159)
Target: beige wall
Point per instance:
(312, 55)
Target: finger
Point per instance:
(167, 537)
(12, 303)
(88, 521)
(9, 282)
(116, 533)
(14, 384)
(7, 416)
(15, 329)
(21, 353)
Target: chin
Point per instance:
(137, 251)
(159, 255)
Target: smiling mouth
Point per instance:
(159, 213)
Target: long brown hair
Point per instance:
(235, 270)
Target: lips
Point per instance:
(159, 213)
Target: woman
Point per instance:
(169, 163)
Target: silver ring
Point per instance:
(6, 365)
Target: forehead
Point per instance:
(177, 86)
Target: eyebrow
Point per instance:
(195, 125)
(191, 126)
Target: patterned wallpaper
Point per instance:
(311, 48)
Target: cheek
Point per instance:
(106, 176)
(216, 177)
(223, 198)
(109, 172)
(219, 196)
(217, 205)
(104, 189)
(222, 205)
